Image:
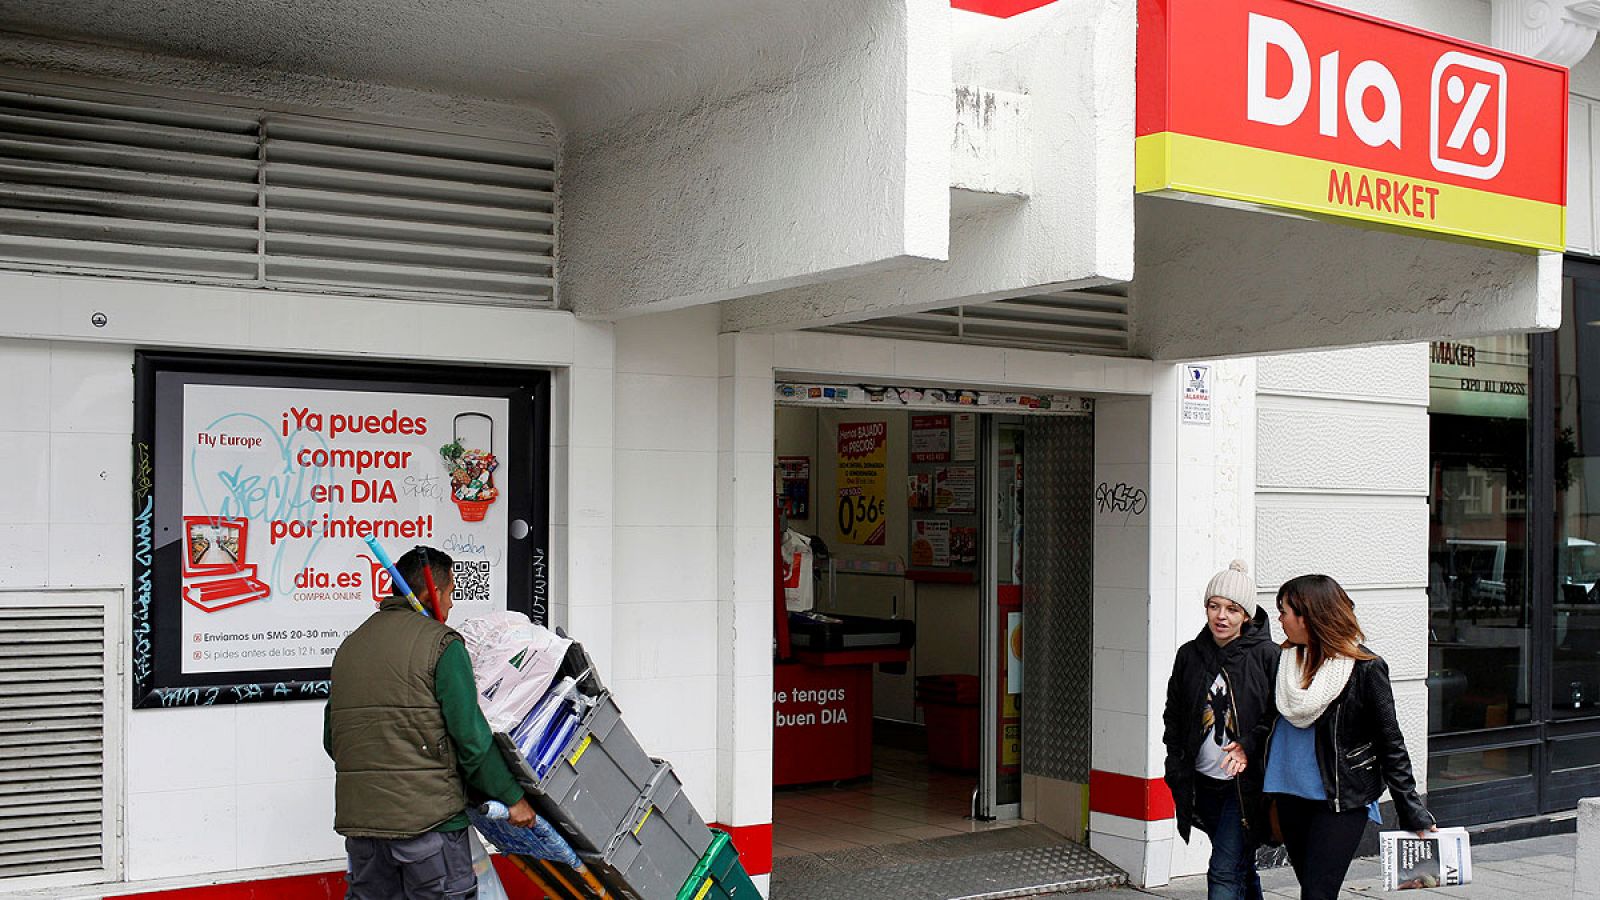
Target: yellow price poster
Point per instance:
(863, 482)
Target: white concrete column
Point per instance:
(744, 590)
(582, 432)
(1135, 547)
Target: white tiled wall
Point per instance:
(1125, 590)
(664, 665)
(746, 441)
(227, 788)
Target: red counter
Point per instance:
(822, 715)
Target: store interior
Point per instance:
(880, 647)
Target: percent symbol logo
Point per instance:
(1467, 122)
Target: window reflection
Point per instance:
(1575, 663)
(1478, 599)
(1455, 770)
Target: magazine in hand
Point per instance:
(1441, 859)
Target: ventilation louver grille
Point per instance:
(52, 737)
(1093, 320)
(132, 186)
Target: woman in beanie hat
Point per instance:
(1218, 714)
(1337, 743)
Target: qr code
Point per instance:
(472, 581)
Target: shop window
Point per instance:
(1479, 624)
(1575, 662)
(1580, 753)
(1456, 770)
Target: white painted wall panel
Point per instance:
(1311, 445)
(1342, 463)
(1380, 372)
(1396, 627)
(1580, 175)
(665, 661)
(1360, 542)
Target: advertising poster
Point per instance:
(254, 497)
(956, 490)
(794, 486)
(281, 488)
(863, 482)
(966, 437)
(930, 543)
(930, 439)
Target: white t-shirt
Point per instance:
(1216, 720)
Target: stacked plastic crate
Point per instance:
(625, 814)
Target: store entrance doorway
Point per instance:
(904, 547)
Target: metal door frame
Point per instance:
(989, 623)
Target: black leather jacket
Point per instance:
(1360, 749)
(1251, 664)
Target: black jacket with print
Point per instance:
(1251, 664)
(1360, 749)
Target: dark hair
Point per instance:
(410, 566)
(1330, 619)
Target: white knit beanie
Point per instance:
(1234, 584)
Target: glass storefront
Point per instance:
(1513, 566)
(1575, 667)
(1478, 599)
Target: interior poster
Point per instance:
(265, 495)
(794, 486)
(863, 482)
(930, 439)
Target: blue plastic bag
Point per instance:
(542, 841)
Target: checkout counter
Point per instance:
(822, 687)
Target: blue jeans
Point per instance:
(1232, 873)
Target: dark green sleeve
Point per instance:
(479, 759)
(327, 729)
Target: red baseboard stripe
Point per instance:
(1129, 796)
(331, 886)
(324, 886)
(754, 843)
(1001, 9)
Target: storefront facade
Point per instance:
(658, 256)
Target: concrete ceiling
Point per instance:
(527, 51)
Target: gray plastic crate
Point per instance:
(596, 783)
(652, 856)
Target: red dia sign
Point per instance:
(1295, 104)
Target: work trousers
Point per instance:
(436, 865)
(1231, 874)
(1321, 843)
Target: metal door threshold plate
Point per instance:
(1008, 862)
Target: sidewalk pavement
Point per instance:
(1533, 869)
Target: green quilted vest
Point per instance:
(395, 764)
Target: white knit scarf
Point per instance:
(1303, 706)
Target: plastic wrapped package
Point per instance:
(513, 663)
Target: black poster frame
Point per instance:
(155, 618)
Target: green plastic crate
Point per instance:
(719, 874)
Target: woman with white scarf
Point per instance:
(1337, 744)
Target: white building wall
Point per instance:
(238, 791)
(1342, 489)
(663, 565)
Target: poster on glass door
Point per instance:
(281, 488)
